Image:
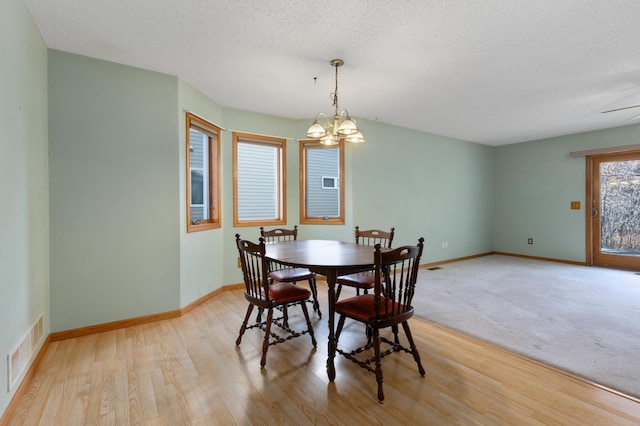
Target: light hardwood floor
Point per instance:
(187, 371)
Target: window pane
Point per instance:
(203, 203)
(196, 148)
(322, 186)
(620, 207)
(197, 197)
(199, 176)
(258, 180)
(323, 193)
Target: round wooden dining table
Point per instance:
(331, 259)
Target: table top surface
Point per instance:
(321, 253)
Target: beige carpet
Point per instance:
(583, 320)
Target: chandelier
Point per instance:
(342, 126)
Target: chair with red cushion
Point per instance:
(265, 296)
(396, 273)
(364, 280)
(286, 274)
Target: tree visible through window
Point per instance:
(258, 180)
(321, 183)
(203, 168)
(620, 207)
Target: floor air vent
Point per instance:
(22, 355)
(434, 268)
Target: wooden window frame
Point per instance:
(281, 144)
(304, 218)
(213, 162)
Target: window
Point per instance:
(321, 183)
(203, 174)
(329, 182)
(258, 180)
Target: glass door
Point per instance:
(615, 210)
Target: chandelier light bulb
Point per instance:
(316, 130)
(329, 140)
(355, 138)
(348, 127)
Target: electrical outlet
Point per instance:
(529, 240)
(239, 262)
(445, 244)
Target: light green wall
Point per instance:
(113, 137)
(24, 193)
(424, 185)
(201, 253)
(534, 185)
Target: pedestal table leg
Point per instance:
(331, 281)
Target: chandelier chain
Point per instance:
(335, 93)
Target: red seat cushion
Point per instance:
(291, 275)
(286, 293)
(362, 308)
(359, 280)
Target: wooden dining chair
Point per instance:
(396, 273)
(285, 274)
(259, 292)
(364, 280)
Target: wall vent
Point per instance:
(23, 354)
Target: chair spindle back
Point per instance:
(254, 268)
(396, 274)
(279, 234)
(375, 236)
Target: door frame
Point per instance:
(588, 211)
(592, 238)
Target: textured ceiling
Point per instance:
(490, 71)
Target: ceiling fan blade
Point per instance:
(620, 109)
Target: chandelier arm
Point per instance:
(321, 114)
